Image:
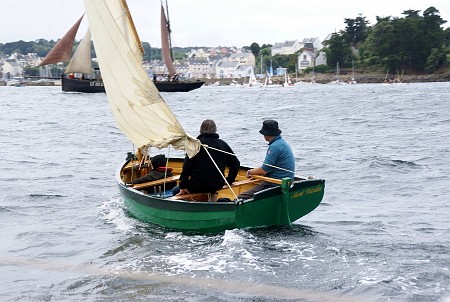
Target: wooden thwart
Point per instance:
(201, 196)
(268, 179)
(192, 197)
(156, 182)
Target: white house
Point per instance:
(311, 55)
(313, 43)
(242, 57)
(309, 58)
(200, 69)
(243, 71)
(198, 54)
(227, 69)
(286, 48)
(12, 69)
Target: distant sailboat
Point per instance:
(173, 83)
(79, 75)
(252, 82)
(313, 78)
(353, 81)
(338, 75)
(287, 79)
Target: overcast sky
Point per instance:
(209, 22)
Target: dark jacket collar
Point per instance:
(208, 135)
(275, 138)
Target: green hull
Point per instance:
(277, 206)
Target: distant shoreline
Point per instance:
(380, 78)
(321, 78)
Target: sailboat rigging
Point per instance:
(143, 116)
(79, 69)
(173, 83)
(79, 75)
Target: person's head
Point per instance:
(208, 126)
(270, 129)
(158, 161)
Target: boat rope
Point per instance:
(132, 160)
(223, 176)
(276, 167)
(145, 152)
(212, 148)
(165, 170)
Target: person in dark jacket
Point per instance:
(200, 174)
(158, 170)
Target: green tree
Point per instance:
(436, 59)
(447, 40)
(280, 61)
(255, 49)
(435, 35)
(31, 71)
(338, 50)
(356, 30)
(398, 43)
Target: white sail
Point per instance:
(252, 79)
(121, 14)
(81, 60)
(139, 110)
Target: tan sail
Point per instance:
(138, 108)
(126, 25)
(81, 60)
(62, 51)
(165, 43)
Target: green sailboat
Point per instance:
(144, 117)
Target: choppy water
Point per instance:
(382, 232)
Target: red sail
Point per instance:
(62, 51)
(165, 44)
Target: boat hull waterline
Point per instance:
(96, 86)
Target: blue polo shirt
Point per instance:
(279, 155)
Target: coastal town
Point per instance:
(200, 63)
(361, 53)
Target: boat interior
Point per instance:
(134, 169)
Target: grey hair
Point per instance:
(208, 126)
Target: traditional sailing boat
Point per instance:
(148, 122)
(173, 84)
(79, 75)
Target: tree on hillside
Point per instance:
(254, 48)
(407, 42)
(447, 38)
(356, 30)
(338, 50)
(432, 28)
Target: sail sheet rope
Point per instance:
(223, 176)
(263, 163)
(272, 166)
(146, 152)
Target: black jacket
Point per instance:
(200, 175)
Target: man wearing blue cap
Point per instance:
(279, 162)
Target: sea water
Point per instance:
(382, 232)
